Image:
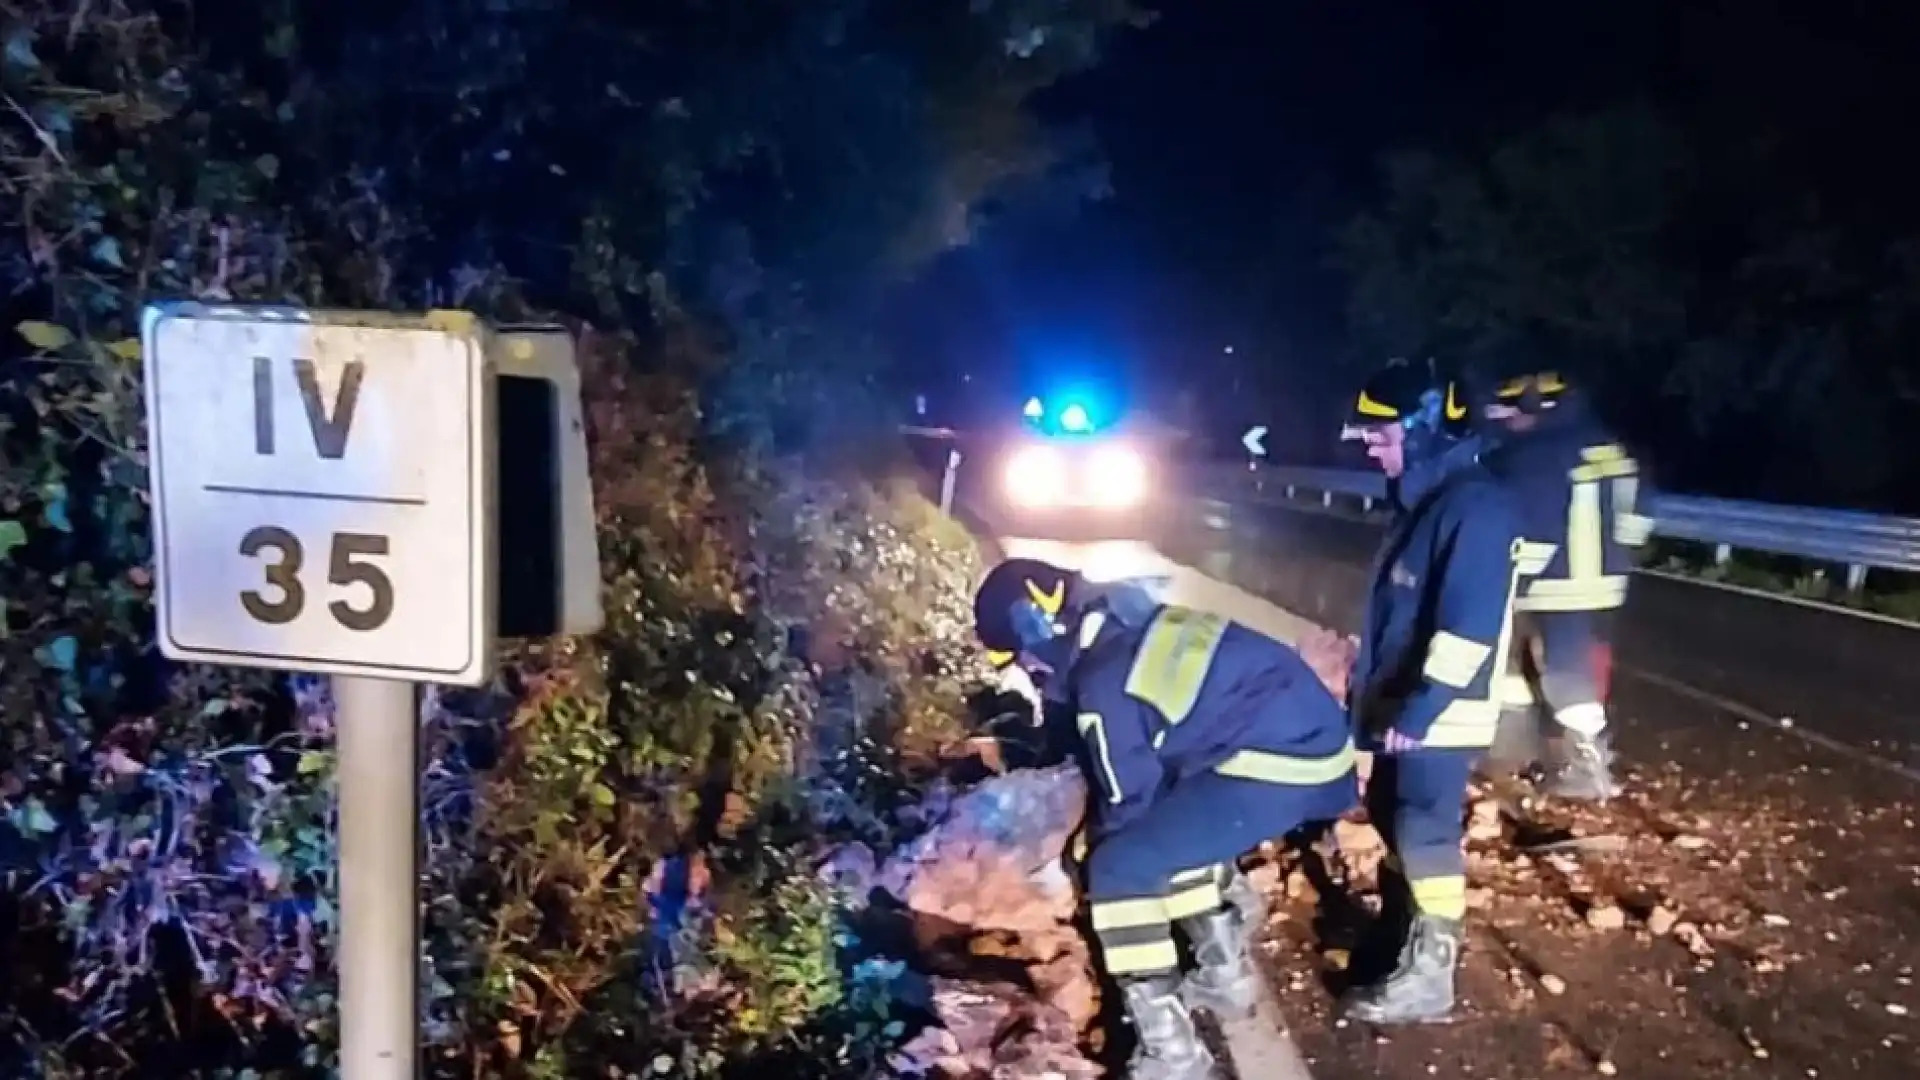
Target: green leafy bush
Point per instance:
(622, 832)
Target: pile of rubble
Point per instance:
(988, 908)
(989, 911)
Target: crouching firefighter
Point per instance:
(1423, 691)
(1200, 738)
(1574, 488)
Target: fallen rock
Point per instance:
(1660, 921)
(992, 909)
(994, 1031)
(1361, 848)
(1606, 917)
(1484, 822)
(984, 864)
(851, 870)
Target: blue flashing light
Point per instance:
(1074, 418)
(1034, 410)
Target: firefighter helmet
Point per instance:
(1431, 404)
(1016, 606)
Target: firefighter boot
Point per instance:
(1170, 1046)
(1241, 896)
(1224, 981)
(1586, 769)
(1420, 990)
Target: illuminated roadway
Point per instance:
(1737, 694)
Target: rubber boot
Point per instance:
(1170, 1046)
(1224, 981)
(1241, 896)
(1586, 769)
(1420, 990)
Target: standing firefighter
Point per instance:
(1574, 488)
(1200, 738)
(1438, 621)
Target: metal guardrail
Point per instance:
(1858, 541)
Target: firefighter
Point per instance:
(1574, 488)
(1200, 738)
(1423, 689)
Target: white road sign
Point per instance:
(322, 488)
(1255, 440)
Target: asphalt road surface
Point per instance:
(1758, 914)
(1843, 678)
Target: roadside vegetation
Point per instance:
(622, 833)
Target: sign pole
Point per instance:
(947, 481)
(378, 736)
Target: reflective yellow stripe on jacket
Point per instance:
(1470, 720)
(1172, 663)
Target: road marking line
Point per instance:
(1748, 712)
(1783, 598)
(1263, 1047)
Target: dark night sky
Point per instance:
(1243, 132)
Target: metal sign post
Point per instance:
(950, 473)
(377, 737)
(323, 501)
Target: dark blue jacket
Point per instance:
(1440, 612)
(1575, 490)
(1187, 693)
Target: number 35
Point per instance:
(345, 567)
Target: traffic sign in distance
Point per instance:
(1255, 440)
(322, 490)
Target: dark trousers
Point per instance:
(1417, 802)
(1171, 863)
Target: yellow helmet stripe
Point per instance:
(1366, 406)
(1050, 603)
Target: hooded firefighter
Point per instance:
(1200, 738)
(1423, 689)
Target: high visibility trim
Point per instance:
(1136, 960)
(1173, 660)
(1444, 896)
(1516, 690)
(1366, 406)
(1194, 900)
(1630, 529)
(1092, 730)
(1453, 660)
(1471, 723)
(1464, 725)
(1197, 874)
(1532, 556)
(1604, 469)
(1602, 593)
(1271, 768)
(1138, 912)
(1049, 602)
(1090, 628)
(1586, 544)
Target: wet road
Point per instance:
(1835, 676)
(1772, 812)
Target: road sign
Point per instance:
(1254, 440)
(322, 490)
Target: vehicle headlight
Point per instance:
(1036, 476)
(1117, 476)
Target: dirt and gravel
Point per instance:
(1751, 909)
